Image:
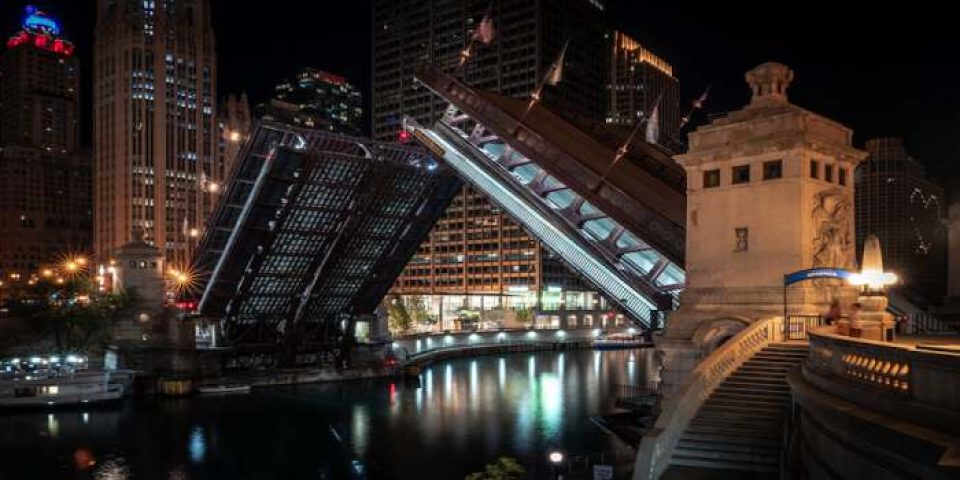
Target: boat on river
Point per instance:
(59, 391)
(620, 340)
(223, 389)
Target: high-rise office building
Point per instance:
(156, 135)
(639, 82)
(45, 183)
(316, 99)
(896, 202)
(235, 123)
(477, 259)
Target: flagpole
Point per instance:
(622, 151)
(466, 54)
(696, 105)
(557, 66)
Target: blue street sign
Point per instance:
(814, 273)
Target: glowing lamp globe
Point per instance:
(872, 276)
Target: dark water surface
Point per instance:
(463, 415)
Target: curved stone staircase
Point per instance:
(739, 426)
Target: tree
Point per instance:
(417, 306)
(504, 468)
(398, 318)
(525, 316)
(72, 315)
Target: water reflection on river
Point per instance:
(464, 414)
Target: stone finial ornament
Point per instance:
(769, 82)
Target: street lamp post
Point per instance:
(555, 459)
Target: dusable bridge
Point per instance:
(315, 227)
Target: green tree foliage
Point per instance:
(525, 316)
(504, 468)
(419, 314)
(398, 318)
(72, 315)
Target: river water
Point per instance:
(463, 415)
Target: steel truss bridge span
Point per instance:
(311, 232)
(625, 235)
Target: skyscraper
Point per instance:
(45, 183)
(316, 99)
(477, 258)
(639, 82)
(235, 123)
(156, 136)
(896, 202)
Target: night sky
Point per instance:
(881, 71)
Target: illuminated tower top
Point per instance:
(41, 31)
(39, 94)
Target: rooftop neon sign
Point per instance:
(42, 32)
(37, 21)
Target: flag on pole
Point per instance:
(696, 105)
(484, 32)
(653, 124)
(555, 75)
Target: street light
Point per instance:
(872, 278)
(555, 459)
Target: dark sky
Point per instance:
(881, 71)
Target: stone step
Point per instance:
(741, 405)
(696, 461)
(745, 387)
(757, 377)
(766, 366)
(745, 434)
(726, 438)
(783, 397)
(774, 360)
(740, 425)
(762, 450)
(763, 419)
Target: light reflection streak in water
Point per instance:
(485, 407)
(53, 425)
(197, 445)
(360, 429)
(502, 372)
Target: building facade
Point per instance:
(156, 135)
(316, 99)
(897, 203)
(479, 267)
(45, 176)
(236, 119)
(639, 82)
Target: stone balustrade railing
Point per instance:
(656, 447)
(915, 384)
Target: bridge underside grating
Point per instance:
(313, 230)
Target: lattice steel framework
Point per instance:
(623, 234)
(312, 231)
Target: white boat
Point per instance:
(59, 391)
(223, 388)
(620, 340)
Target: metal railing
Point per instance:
(930, 324)
(797, 326)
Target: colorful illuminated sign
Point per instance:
(815, 273)
(38, 22)
(41, 31)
